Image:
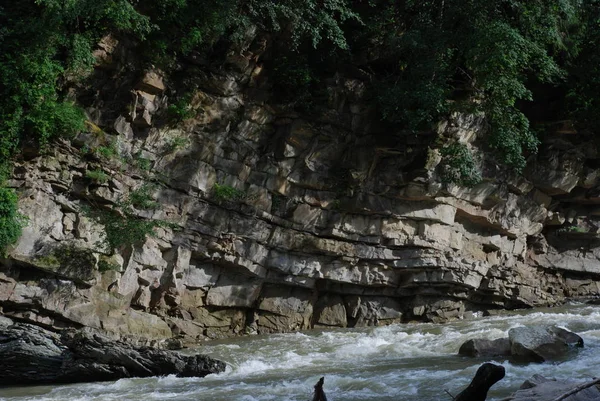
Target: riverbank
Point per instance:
(406, 361)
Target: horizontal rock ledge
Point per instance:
(33, 355)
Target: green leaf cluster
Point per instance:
(222, 192)
(11, 221)
(97, 176)
(473, 55)
(44, 44)
(122, 226)
(458, 165)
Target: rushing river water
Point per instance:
(400, 362)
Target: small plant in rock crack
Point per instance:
(223, 192)
(109, 151)
(180, 110)
(104, 266)
(122, 226)
(175, 144)
(97, 176)
(141, 198)
(11, 221)
(459, 166)
(572, 229)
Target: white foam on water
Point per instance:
(406, 361)
(252, 367)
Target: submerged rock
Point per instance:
(539, 388)
(32, 355)
(542, 343)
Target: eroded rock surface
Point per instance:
(527, 344)
(542, 343)
(280, 221)
(33, 355)
(539, 388)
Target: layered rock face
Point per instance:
(33, 355)
(280, 221)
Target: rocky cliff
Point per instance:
(274, 220)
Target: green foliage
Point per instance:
(427, 57)
(223, 192)
(122, 226)
(180, 111)
(141, 198)
(41, 44)
(46, 44)
(97, 176)
(294, 80)
(11, 221)
(314, 20)
(176, 143)
(142, 163)
(458, 165)
(583, 85)
(109, 151)
(186, 25)
(475, 55)
(104, 265)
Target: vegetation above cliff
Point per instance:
(426, 59)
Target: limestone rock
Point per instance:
(338, 225)
(152, 82)
(542, 343)
(330, 311)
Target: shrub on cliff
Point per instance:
(472, 55)
(11, 221)
(43, 45)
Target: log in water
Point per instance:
(416, 362)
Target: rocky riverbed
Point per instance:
(33, 355)
(405, 361)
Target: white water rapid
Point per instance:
(400, 362)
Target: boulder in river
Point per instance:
(479, 347)
(526, 344)
(33, 355)
(542, 343)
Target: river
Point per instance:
(414, 361)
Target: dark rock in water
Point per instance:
(319, 393)
(32, 355)
(542, 343)
(538, 388)
(487, 375)
(479, 347)
(29, 354)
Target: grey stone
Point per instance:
(539, 388)
(33, 355)
(479, 347)
(542, 343)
